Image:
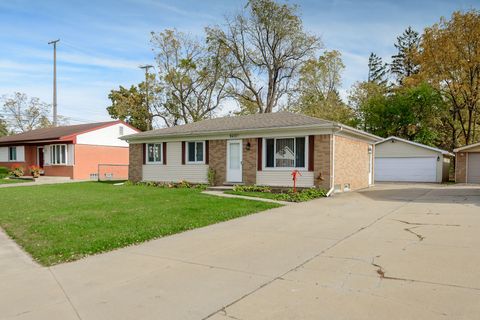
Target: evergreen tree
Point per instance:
(403, 65)
(377, 70)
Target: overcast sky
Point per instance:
(103, 42)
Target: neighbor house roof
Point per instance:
(234, 124)
(54, 133)
(467, 147)
(416, 144)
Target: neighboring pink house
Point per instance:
(70, 151)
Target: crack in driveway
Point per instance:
(407, 202)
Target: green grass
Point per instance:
(65, 222)
(8, 181)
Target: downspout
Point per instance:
(332, 188)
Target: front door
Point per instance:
(234, 161)
(40, 158)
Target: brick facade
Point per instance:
(322, 161)
(352, 162)
(461, 167)
(218, 159)
(249, 155)
(135, 162)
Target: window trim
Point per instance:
(188, 150)
(16, 154)
(52, 147)
(160, 161)
(275, 168)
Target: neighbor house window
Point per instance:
(120, 131)
(12, 153)
(285, 152)
(58, 154)
(154, 153)
(196, 151)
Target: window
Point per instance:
(285, 153)
(195, 152)
(120, 131)
(154, 153)
(12, 153)
(58, 154)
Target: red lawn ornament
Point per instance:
(295, 174)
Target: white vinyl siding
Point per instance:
(107, 136)
(284, 178)
(174, 171)
(413, 169)
(473, 173)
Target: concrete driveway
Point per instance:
(391, 252)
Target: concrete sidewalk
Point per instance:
(396, 252)
(40, 181)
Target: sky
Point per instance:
(103, 42)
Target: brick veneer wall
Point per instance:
(351, 163)
(249, 169)
(135, 162)
(218, 159)
(461, 167)
(323, 161)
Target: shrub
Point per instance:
(4, 172)
(253, 188)
(170, 185)
(302, 195)
(211, 176)
(17, 171)
(34, 171)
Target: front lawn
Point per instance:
(65, 222)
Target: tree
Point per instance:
(403, 64)
(362, 97)
(266, 46)
(192, 75)
(3, 127)
(406, 113)
(189, 86)
(377, 70)
(24, 114)
(317, 89)
(128, 105)
(449, 59)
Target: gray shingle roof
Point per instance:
(52, 133)
(235, 123)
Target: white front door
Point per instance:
(234, 161)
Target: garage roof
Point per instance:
(467, 147)
(444, 152)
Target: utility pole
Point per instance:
(54, 42)
(147, 67)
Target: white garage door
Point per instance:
(473, 167)
(406, 169)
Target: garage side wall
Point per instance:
(461, 167)
(351, 164)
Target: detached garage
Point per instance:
(400, 160)
(467, 169)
